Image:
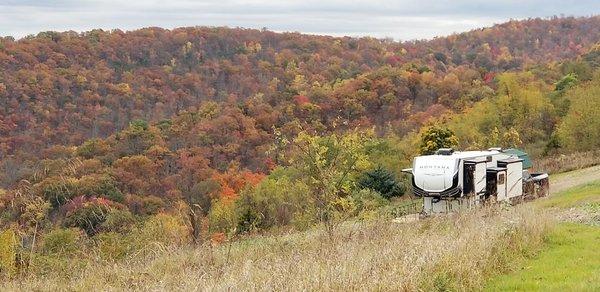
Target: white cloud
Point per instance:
(401, 19)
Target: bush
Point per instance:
(305, 218)
(580, 128)
(119, 221)
(87, 214)
(8, 253)
(222, 216)
(64, 242)
(113, 246)
(368, 202)
(271, 203)
(342, 209)
(566, 82)
(162, 228)
(383, 182)
(57, 190)
(89, 166)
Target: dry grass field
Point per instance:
(453, 252)
(569, 162)
(456, 252)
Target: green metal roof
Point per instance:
(522, 155)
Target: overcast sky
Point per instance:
(399, 19)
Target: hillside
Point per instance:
(114, 141)
(516, 247)
(65, 88)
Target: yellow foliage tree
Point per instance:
(519, 114)
(580, 128)
(329, 164)
(435, 137)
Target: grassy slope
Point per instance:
(459, 252)
(571, 260)
(573, 197)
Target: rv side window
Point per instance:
(501, 178)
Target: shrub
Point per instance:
(8, 252)
(566, 82)
(162, 228)
(89, 166)
(119, 221)
(222, 216)
(62, 242)
(272, 202)
(57, 190)
(580, 128)
(112, 245)
(342, 209)
(368, 202)
(329, 165)
(58, 152)
(383, 182)
(87, 214)
(305, 218)
(248, 218)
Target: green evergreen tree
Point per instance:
(383, 182)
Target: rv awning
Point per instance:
(522, 155)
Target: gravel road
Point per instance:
(563, 181)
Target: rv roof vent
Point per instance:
(499, 149)
(445, 151)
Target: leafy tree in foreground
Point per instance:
(328, 164)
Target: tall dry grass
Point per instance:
(457, 252)
(567, 162)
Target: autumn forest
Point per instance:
(203, 134)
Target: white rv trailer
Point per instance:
(451, 180)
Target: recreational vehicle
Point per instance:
(452, 180)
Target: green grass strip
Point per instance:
(588, 193)
(570, 262)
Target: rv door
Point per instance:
(501, 186)
(469, 178)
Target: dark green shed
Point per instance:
(522, 155)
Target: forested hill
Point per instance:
(192, 133)
(65, 88)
